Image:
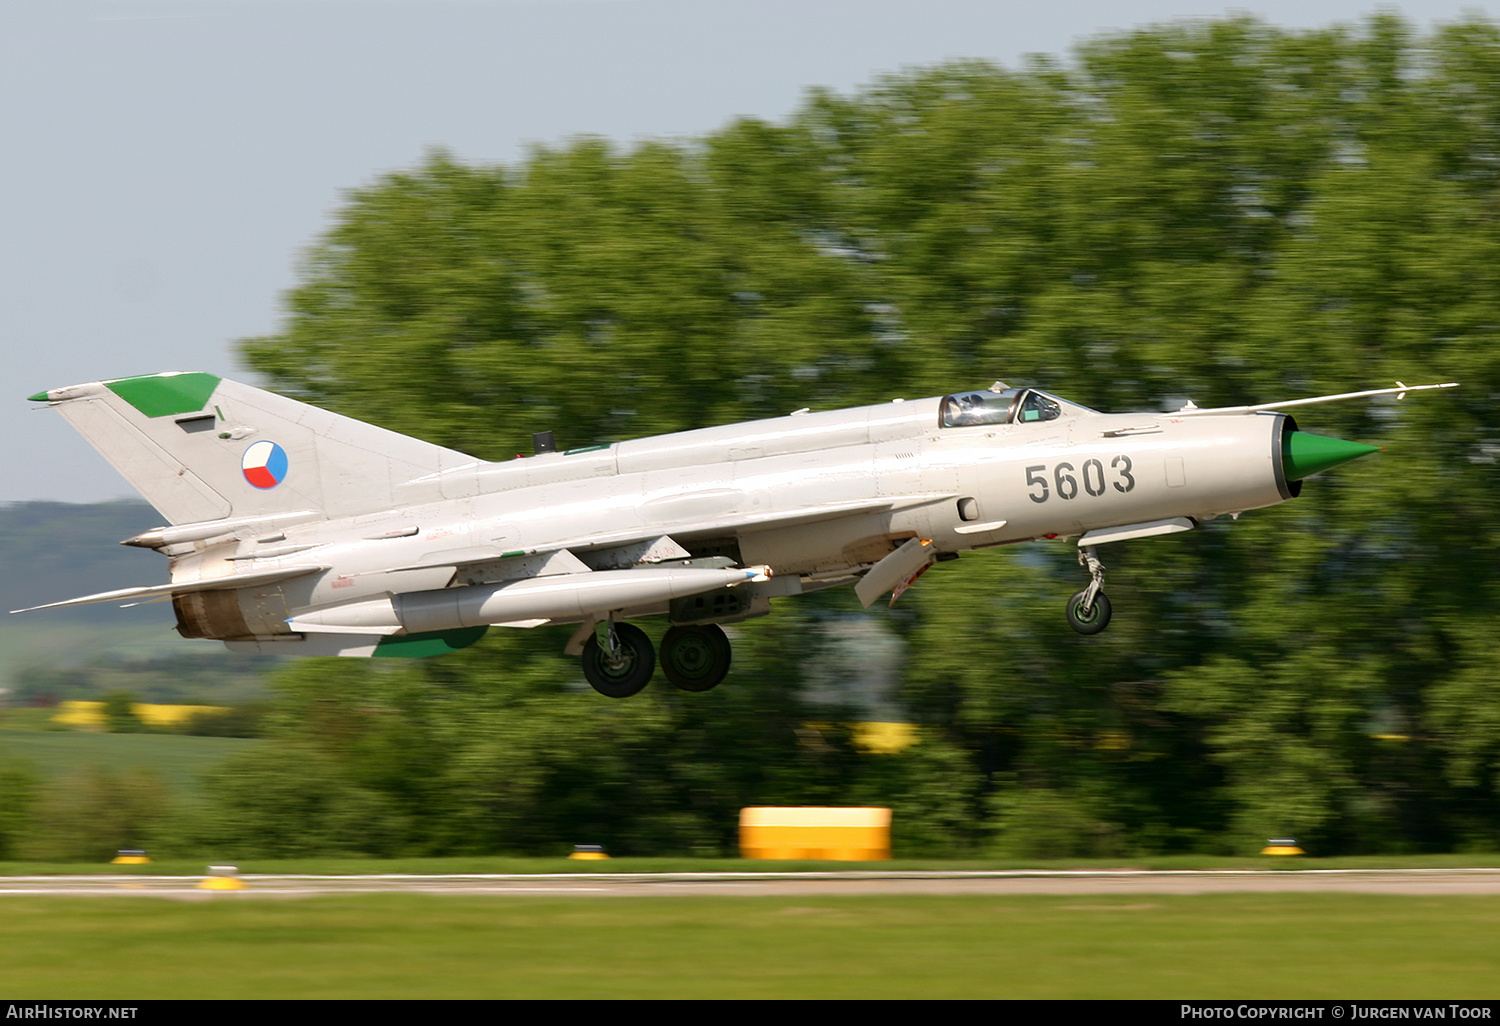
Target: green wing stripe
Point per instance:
(162, 395)
(431, 643)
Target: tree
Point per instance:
(119, 714)
(93, 813)
(18, 794)
(1223, 211)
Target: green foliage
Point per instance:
(502, 748)
(285, 800)
(119, 714)
(1042, 823)
(92, 813)
(935, 794)
(18, 793)
(229, 721)
(1220, 210)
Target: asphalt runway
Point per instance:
(858, 883)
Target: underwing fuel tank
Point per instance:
(564, 597)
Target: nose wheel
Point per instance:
(1089, 610)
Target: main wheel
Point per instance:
(628, 671)
(695, 658)
(1093, 620)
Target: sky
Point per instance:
(166, 162)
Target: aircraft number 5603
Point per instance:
(1067, 479)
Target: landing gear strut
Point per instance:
(1089, 609)
(695, 658)
(618, 659)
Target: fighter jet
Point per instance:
(294, 530)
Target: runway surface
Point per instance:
(1120, 882)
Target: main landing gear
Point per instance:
(1089, 609)
(695, 658)
(618, 659)
(621, 662)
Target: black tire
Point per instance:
(637, 663)
(1095, 620)
(695, 658)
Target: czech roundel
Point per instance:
(264, 464)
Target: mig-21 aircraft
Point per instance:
(294, 530)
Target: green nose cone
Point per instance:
(1303, 455)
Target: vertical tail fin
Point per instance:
(199, 447)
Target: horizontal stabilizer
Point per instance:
(184, 587)
(239, 527)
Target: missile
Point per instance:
(566, 597)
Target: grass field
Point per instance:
(418, 946)
(181, 761)
(562, 864)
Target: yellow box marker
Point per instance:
(815, 832)
(222, 878)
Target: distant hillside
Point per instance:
(54, 550)
(58, 550)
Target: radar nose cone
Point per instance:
(1305, 454)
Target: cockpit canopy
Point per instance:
(1007, 406)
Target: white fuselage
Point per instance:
(814, 497)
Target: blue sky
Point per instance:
(166, 161)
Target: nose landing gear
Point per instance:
(1089, 610)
